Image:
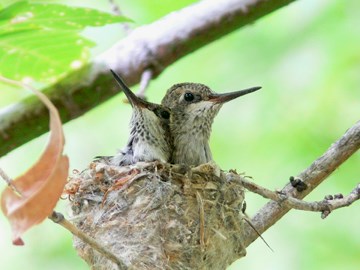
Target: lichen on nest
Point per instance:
(158, 216)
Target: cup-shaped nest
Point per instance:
(158, 216)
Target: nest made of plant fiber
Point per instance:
(158, 216)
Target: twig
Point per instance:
(60, 219)
(9, 181)
(317, 172)
(343, 201)
(116, 10)
(285, 200)
(146, 77)
(201, 221)
(261, 237)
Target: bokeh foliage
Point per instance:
(306, 57)
(38, 35)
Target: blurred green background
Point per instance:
(306, 57)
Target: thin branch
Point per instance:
(60, 219)
(153, 46)
(317, 172)
(144, 82)
(9, 182)
(116, 10)
(340, 201)
(201, 220)
(261, 237)
(285, 200)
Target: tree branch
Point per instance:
(59, 218)
(154, 46)
(284, 199)
(318, 171)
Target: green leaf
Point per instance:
(45, 54)
(53, 16)
(41, 42)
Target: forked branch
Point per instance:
(325, 206)
(317, 172)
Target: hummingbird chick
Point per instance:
(149, 131)
(193, 109)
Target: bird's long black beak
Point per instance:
(225, 97)
(133, 99)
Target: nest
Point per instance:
(158, 216)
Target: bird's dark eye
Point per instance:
(165, 114)
(189, 96)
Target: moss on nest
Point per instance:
(154, 215)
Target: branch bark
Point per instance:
(154, 46)
(317, 172)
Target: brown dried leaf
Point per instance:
(41, 186)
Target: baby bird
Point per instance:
(149, 131)
(193, 109)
